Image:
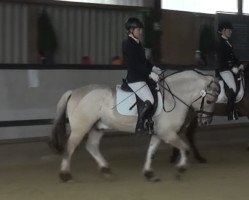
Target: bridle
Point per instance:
(203, 95)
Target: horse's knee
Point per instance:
(171, 138)
(177, 142)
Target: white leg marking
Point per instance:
(92, 146)
(154, 144)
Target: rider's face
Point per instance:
(227, 32)
(137, 32)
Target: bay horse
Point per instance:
(90, 111)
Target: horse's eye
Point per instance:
(209, 102)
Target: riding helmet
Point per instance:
(133, 22)
(225, 25)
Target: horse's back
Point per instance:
(79, 93)
(90, 96)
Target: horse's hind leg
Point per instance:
(148, 171)
(92, 147)
(73, 141)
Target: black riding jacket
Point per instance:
(138, 67)
(226, 58)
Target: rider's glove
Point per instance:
(241, 67)
(235, 70)
(154, 76)
(157, 70)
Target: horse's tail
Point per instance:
(59, 135)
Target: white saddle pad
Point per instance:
(222, 98)
(125, 100)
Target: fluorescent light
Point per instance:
(201, 6)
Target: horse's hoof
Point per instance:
(178, 176)
(150, 176)
(66, 176)
(106, 171)
(181, 169)
(201, 160)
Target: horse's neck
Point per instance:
(186, 85)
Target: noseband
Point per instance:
(203, 95)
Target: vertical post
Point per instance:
(156, 15)
(240, 7)
(153, 31)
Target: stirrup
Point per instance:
(150, 126)
(140, 128)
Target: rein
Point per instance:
(202, 95)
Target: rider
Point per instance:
(227, 66)
(139, 69)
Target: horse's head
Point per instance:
(204, 104)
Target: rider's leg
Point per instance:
(142, 116)
(230, 104)
(143, 92)
(228, 78)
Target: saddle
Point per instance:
(128, 102)
(239, 81)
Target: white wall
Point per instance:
(19, 101)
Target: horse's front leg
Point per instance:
(190, 135)
(174, 139)
(147, 170)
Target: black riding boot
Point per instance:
(231, 113)
(141, 117)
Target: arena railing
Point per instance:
(33, 122)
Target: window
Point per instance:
(246, 6)
(202, 6)
(116, 2)
(92, 1)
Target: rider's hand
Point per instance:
(157, 70)
(241, 67)
(235, 70)
(154, 76)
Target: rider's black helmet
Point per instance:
(225, 25)
(133, 22)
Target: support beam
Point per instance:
(240, 7)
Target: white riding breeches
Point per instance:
(142, 90)
(228, 77)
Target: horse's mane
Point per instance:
(194, 70)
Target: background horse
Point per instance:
(220, 110)
(90, 110)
